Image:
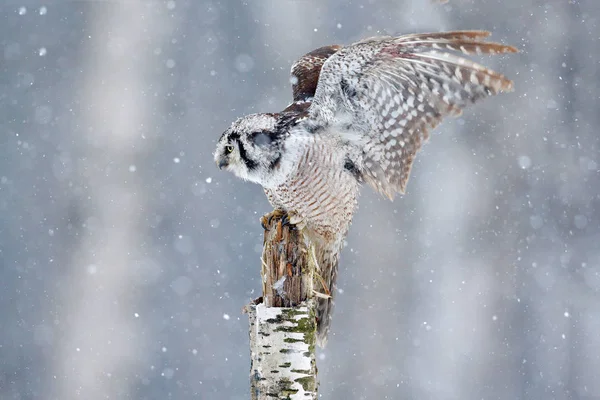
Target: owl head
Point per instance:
(251, 147)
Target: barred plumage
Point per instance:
(360, 114)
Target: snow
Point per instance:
(524, 162)
(244, 63)
(119, 235)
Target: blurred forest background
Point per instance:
(126, 255)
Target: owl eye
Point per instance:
(229, 148)
(262, 138)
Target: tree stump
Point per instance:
(282, 322)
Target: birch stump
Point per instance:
(282, 323)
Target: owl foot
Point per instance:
(292, 219)
(266, 219)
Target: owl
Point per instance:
(359, 115)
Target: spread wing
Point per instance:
(394, 90)
(305, 72)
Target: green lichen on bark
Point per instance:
(285, 389)
(290, 313)
(309, 383)
(290, 340)
(306, 326)
(301, 371)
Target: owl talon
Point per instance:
(293, 220)
(285, 221)
(267, 219)
(263, 225)
(272, 216)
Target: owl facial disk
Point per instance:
(248, 147)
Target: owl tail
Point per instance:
(324, 285)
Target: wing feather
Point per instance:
(304, 73)
(395, 90)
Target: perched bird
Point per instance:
(359, 114)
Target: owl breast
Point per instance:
(318, 187)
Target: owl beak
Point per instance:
(222, 163)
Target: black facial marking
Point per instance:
(234, 135)
(250, 164)
(353, 169)
(231, 135)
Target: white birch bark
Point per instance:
(282, 343)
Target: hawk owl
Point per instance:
(359, 115)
